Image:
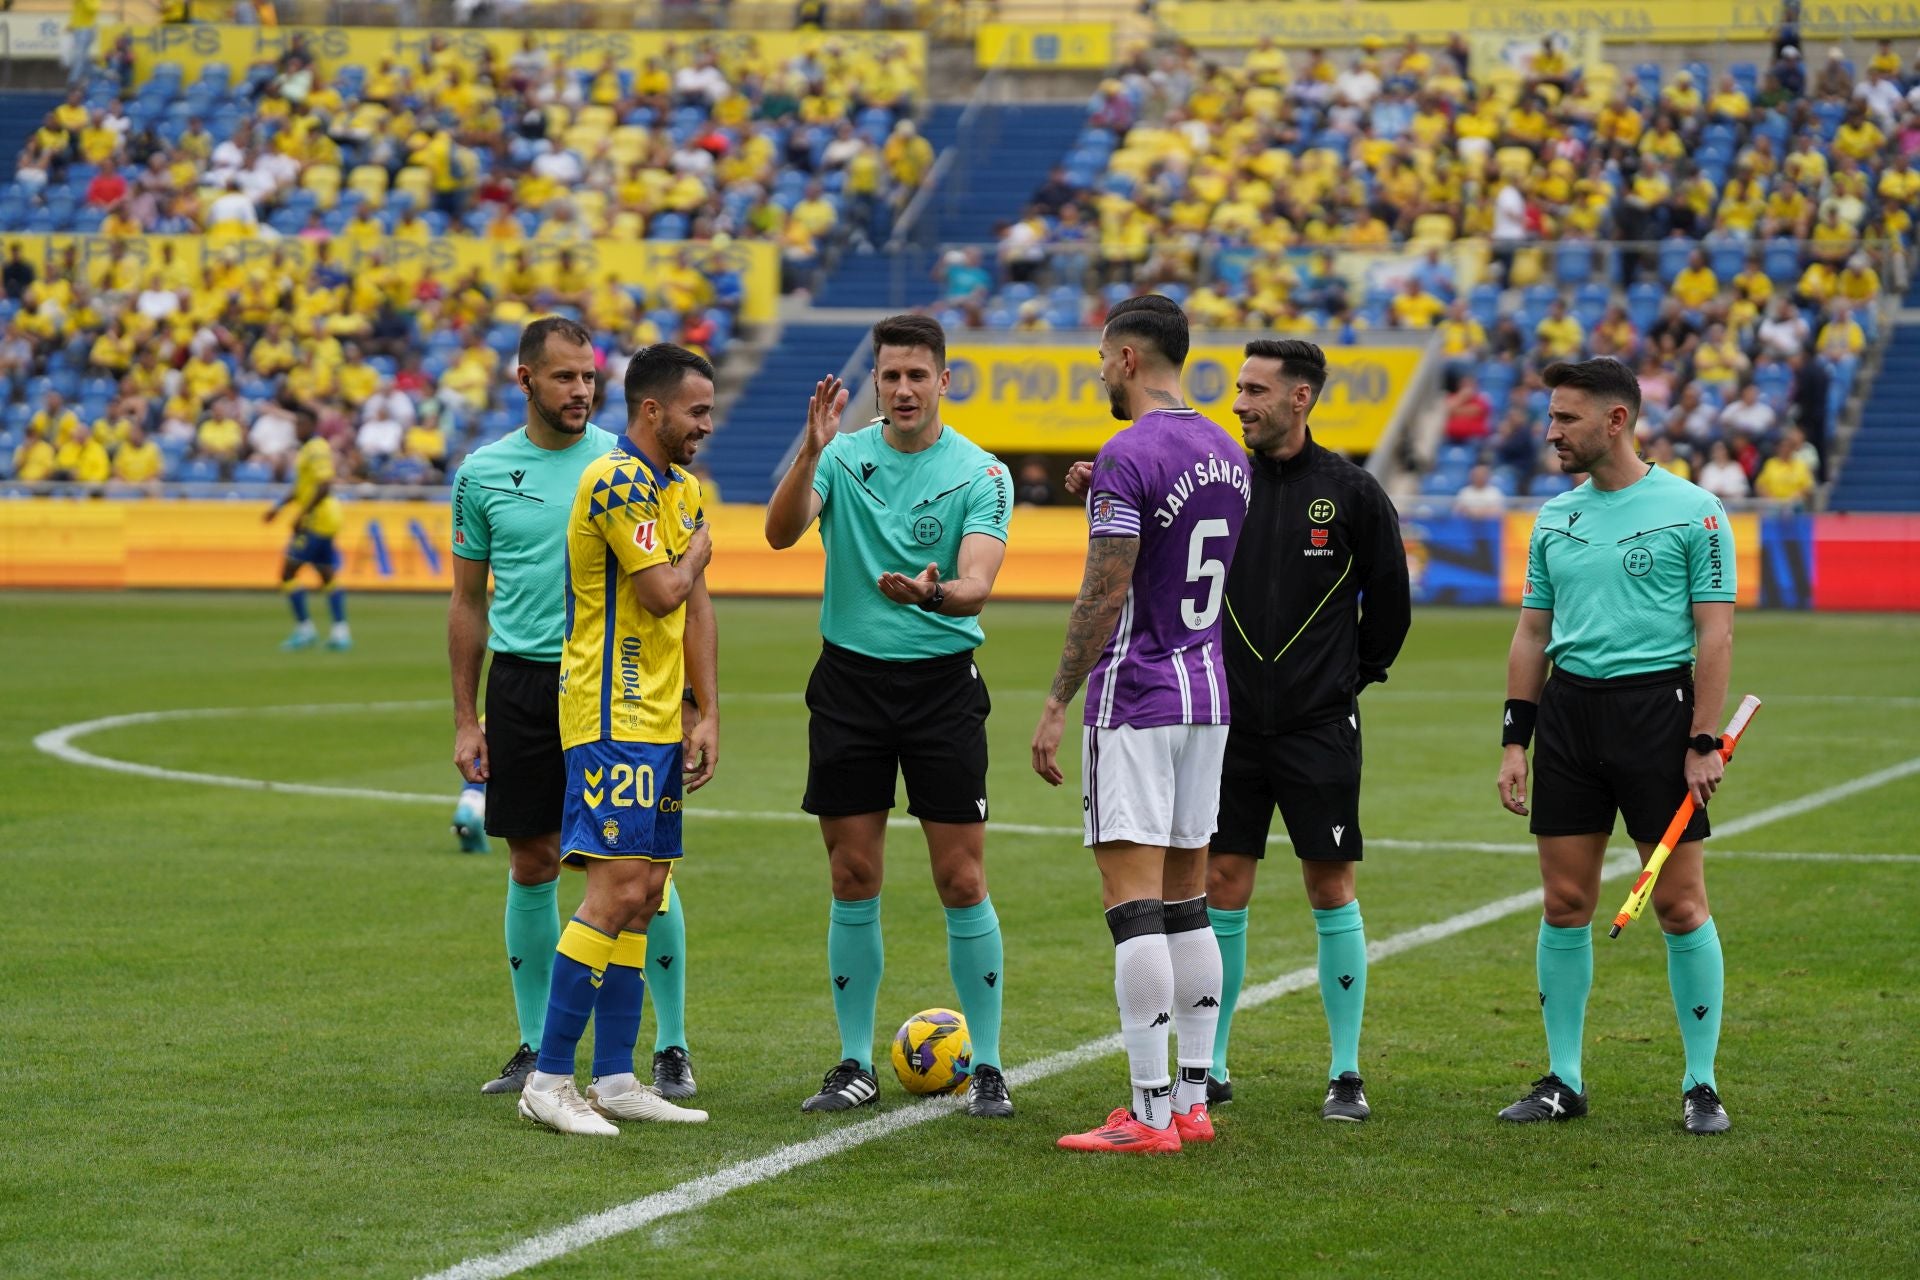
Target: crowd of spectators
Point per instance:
(134, 367)
(1727, 234)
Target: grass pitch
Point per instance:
(247, 1029)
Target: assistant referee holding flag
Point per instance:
(1317, 609)
(1629, 594)
(896, 688)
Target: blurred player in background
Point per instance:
(510, 506)
(639, 629)
(316, 522)
(1321, 538)
(1629, 595)
(1166, 501)
(896, 689)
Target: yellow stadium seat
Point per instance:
(1503, 82)
(629, 144)
(628, 226)
(558, 118)
(370, 180)
(1434, 227)
(1529, 267)
(601, 118)
(591, 205)
(585, 140)
(1514, 161)
(324, 181)
(1130, 162)
(416, 182)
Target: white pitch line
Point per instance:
(59, 743)
(699, 1192)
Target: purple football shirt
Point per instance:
(1179, 484)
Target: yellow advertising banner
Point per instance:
(404, 546)
(629, 261)
(1518, 529)
(239, 47)
(1048, 398)
(1344, 22)
(1044, 46)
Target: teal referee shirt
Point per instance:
(511, 501)
(883, 511)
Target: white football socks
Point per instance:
(1143, 984)
(1194, 953)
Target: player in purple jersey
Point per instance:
(1166, 500)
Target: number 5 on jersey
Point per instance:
(1202, 568)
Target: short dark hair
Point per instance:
(656, 372)
(1156, 318)
(1603, 377)
(533, 338)
(912, 331)
(1300, 361)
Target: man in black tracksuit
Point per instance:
(1317, 607)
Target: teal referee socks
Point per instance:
(1564, 958)
(1230, 929)
(855, 959)
(974, 959)
(533, 931)
(667, 971)
(1697, 973)
(1343, 982)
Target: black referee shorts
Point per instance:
(1312, 774)
(872, 718)
(1606, 746)
(529, 774)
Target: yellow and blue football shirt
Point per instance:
(313, 467)
(622, 669)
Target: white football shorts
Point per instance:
(1157, 786)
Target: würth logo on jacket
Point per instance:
(1319, 539)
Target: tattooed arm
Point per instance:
(1102, 592)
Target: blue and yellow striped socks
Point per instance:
(579, 968)
(616, 1015)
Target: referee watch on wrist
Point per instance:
(1704, 744)
(933, 602)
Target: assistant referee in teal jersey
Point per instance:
(1629, 595)
(914, 520)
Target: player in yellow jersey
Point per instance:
(639, 630)
(316, 522)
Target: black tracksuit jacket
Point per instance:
(1317, 596)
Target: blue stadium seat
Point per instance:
(1483, 304)
(1781, 260)
(1727, 258)
(1573, 262)
(1673, 258)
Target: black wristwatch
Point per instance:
(933, 602)
(1704, 743)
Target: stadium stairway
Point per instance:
(1882, 468)
(771, 409)
(20, 115)
(986, 185)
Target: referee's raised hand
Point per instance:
(829, 401)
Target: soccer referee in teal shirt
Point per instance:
(914, 520)
(1629, 595)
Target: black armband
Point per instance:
(1516, 727)
(686, 696)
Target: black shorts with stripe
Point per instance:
(527, 782)
(872, 719)
(1613, 746)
